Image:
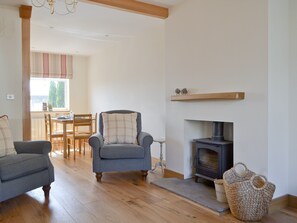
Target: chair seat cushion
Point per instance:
(121, 151)
(15, 166)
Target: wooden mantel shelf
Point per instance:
(209, 96)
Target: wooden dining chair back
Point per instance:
(55, 137)
(82, 129)
(47, 126)
(95, 123)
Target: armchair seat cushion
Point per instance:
(15, 166)
(122, 151)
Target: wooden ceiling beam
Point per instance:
(135, 6)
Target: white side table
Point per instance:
(161, 163)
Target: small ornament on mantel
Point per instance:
(184, 91)
(177, 91)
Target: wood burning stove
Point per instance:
(213, 155)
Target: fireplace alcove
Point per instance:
(214, 148)
(213, 155)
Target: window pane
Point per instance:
(53, 92)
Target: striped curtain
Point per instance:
(48, 65)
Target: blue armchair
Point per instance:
(29, 169)
(121, 157)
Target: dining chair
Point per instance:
(82, 130)
(95, 123)
(63, 115)
(51, 134)
(94, 131)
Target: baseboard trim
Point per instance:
(283, 202)
(170, 174)
(292, 201)
(279, 203)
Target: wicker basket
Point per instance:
(248, 194)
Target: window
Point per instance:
(53, 92)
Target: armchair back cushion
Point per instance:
(138, 119)
(6, 141)
(119, 128)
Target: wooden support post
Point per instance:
(25, 14)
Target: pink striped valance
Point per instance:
(48, 65)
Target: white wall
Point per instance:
(292, 99)
(79, 85)
(130, 75)
(278, 94)
(217, 46)
(11, 68)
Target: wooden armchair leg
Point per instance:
(99, 176)
(46, 190)
(144, 174)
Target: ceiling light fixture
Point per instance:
(70, 5)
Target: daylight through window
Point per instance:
(49, 94)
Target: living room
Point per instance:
(206, 47)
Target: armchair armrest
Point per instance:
(145, 139)
(96, 141)
(39, 147)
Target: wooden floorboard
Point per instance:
(76, 196)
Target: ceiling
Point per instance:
(90, 29)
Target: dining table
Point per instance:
(64, 121)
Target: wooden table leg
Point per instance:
(65, 139)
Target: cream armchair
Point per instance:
(29, 169)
